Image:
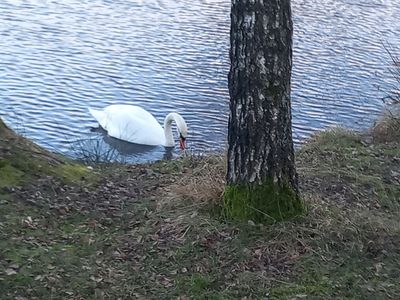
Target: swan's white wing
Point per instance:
(130, 123)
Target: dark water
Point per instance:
(59, 57)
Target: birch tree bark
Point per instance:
(261, 178)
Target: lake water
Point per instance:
(59, 57)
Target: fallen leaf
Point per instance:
(98, 279)
(10, 272)
(14, 266)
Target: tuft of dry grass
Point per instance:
(204, 180)
(387, 128)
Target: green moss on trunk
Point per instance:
(265, 203)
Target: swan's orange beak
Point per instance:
(182, 144)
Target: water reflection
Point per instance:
(59, 57)
(104, 148)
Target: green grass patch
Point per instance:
(9, 175)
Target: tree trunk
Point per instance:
(262, 182)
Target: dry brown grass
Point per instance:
(204, 181)
(387, 128)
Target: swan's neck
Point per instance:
(169, 138)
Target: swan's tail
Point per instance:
(98, 115)
(94, 112)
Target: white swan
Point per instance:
(133, 124)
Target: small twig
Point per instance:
(263, 213)
(186, 231)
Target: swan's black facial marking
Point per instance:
(182, 140)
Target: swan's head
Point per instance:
(183, 132)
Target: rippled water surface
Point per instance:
(59, 57)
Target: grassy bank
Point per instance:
(153, 231)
